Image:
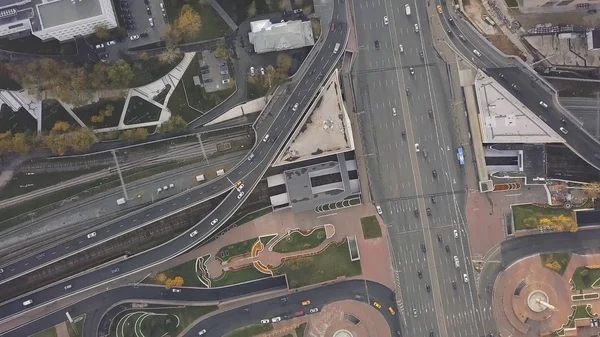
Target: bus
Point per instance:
(461, 156)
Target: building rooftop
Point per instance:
(59, 12)
(504, 119)
(12, 3)
(280, 36)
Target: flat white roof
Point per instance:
(56, 13)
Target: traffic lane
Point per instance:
(102, 301)
(223, 323)
(579, 102)
(16, 306)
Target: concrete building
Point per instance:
(268, 37)
(62, 20)
(593, 39)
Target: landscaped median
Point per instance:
(168, 321)
(586, 277)
(296, 240)
(530, 216)
(557, 262)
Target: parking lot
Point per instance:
(214, 72)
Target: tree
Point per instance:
(284, 62)
(135, 134)
(592, 190)
(82, 139)
(97, 119)
(56, 143)
(178, 281)
(170, 55)
(172, 36)
(553, 265)
(175, 123)
(222, 52)
(101, 32)
(60, 127)
(530, 222)
(108, 110)
(6, 142)
(189, 22)
(584, 272)
(143, 56)
(22, 143)
(252, 10)
(120, 74)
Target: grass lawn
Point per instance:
(238, 276)
(256, 90)
(512, 3)
(585, 282)
(16, 121)
(186, 270)
(76, 329)
(150, 70)
(266, 239)
(581, 312)
(213, 26)
(50, 332)
(300, 330)
(33, 45)
(141, 111)
(522, 212)
(156, 322)
(251, 330)
(238, 248)
(562, 259)
(370, 227)
(86, 112)
(197, 97)
(328, 265)
(296, 241)
(238, 10)
(53, 112)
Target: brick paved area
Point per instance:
(331, 319)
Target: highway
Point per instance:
(278, 126)
(95, 307)
(402, 178)
(358, 290)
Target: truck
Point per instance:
(121, 201)
(220, 172)
(336, 48)
(488, 20)
(200, 177)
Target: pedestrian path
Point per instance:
(223, 14)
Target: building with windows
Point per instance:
(62, 20)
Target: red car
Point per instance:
(333, 27)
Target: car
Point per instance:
(428, 288)
(434, 174)
(456, 262)
(430, 113)
(448, 248)
(462, 37)
(262, 70)
(134, 37)
(454, 284)
(1, 270)
(439, 9)
(592, 11)
(432, 200)
(428, 210)
(151, 22)
(379, 211)
(165, 188)
(332, 27)
(175, 290)
(225, 81)
(563, 121)
(411, 70)
(377, 305)
(148, 11)
(391, 311)
(420, 274)
(162, 7)
(130, 27)
(401, 48)
(297, 11)
(439, 238)
(320, 76)
(266, 138)
(515, 87)
(407, 92)
(100, 46)
(40, 256)
(68, 286)
(385, 20)
(214, 222)
(91, 235)
(502, 76)
(414, 313)
(542, 103)
(417, 148)
(421, 55)
(451, 21)
(275, 319)
(129, 21)
(450, 33)
(475, 51)
(423, 248)
(251, 157)
(251, 71)
(394, 112)
(240, 195)
(144, 34)
(377, 44)
(295, 107)
(240, 187)
(171, 185)
(466, 278)
(203, 331)
(305, 303)
(455, 234)
(416, 213)
(110, 43)
(124, 4)
(126, 10)
(28, 302)
(114, 271)
(563, 130)
(314, 310)
(158, 190)
(425, 153)
(194, 233)
(416, 28)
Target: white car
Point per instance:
(203, 331)
(134, 37)
(265, 321)
(563, 130)
(158, 190)
(416, 28)
(214, 222)
(542, 103)
(240, 195)
(100, 46)
(151, 22)
(91, 235)
(465, 278)
(417, 149)
(476, 52)
(411, 70)
(252, 71)
(295, 107)
(162, 7)
(262, 70)
(379, 211)
(110, 43)
(194, 233)
(68, 286)
(394, 112)
(239, 188)
(171, 185)
(455, 234)
(225, 81)
(314, 310)
(275, 319)
(401, 48)
(385, 20)
(165, 188)
(266, 138)
(175, 290)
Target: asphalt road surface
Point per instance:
(358, 290)
(402, 178)
(96, 306)
(587, 110)
(278, 127)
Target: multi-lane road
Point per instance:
(279, 126)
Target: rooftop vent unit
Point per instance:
(7, 13)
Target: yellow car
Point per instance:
(391, 311)
(306, 303)
(439, 9)
(377, 305)
(239, 182)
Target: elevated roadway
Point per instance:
(277, 125)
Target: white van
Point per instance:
(336, 48)
(407, 9)
(28, 302)
(456, 262)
